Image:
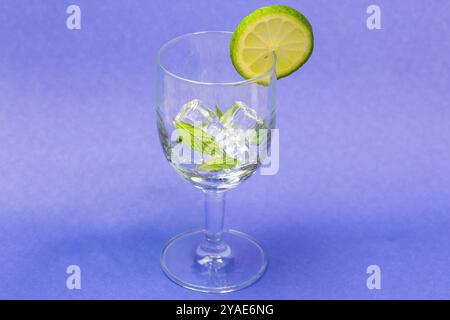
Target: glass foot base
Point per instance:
(241, 263)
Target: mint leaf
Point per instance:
(260, 134)
(217, 164)
(198, 139)
(179, 139)
(201, 141)
(228, 115)
(219, 112)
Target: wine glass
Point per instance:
(214, 127)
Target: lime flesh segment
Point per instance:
(280, 29)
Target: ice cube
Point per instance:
(231, 132)
(216, 130)
(232, 141)
(235, 143)
(240, 116)
(195, 113)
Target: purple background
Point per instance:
(365, 153)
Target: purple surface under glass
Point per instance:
(364, 159)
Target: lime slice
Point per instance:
(280, 29)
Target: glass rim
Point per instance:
(234, 83)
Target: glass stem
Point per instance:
(214, 215)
